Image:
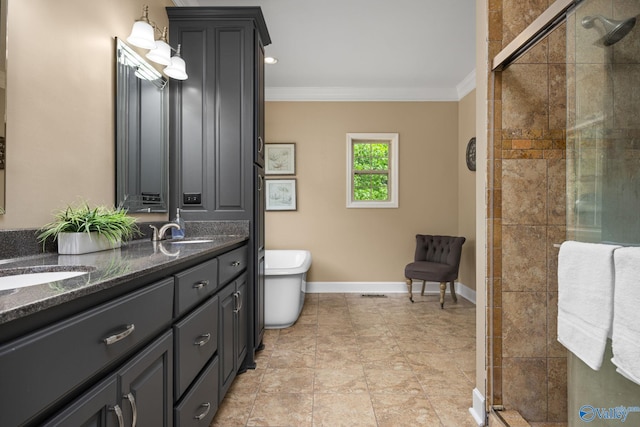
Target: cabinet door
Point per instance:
(259, 303)
(96, 408)
(212, 120)
(259, 105)
(226, 339)
(241, 320)
(258, 259)
(146, 385)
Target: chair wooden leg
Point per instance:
(410, 288)
(443, 287)
(422, 291)
(453, 291)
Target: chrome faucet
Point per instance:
(160, 234)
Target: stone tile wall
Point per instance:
(528, 366)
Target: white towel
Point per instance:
(585, 299)
(626, 313)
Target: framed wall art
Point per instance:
(281, 195)
(280, 159)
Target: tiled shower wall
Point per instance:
(527, 367)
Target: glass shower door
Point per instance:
(603, 170)
(603, 122)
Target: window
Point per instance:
(372, 170)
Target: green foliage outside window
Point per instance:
(371, 171)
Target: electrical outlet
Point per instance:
(192, 198)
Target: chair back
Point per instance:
(440, 249)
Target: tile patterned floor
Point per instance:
(359, 361)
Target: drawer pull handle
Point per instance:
(238, 301)
(235, 264)
(134, 409)
(204, 338)
(118, 412)
(117, 337)
(201, 284)
(207, 408)
(260, 144)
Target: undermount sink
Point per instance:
(187, 241)
(15, 278)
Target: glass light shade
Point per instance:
(142, 35)
(161, 54)
(177, 68)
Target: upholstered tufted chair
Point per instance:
(437, 259)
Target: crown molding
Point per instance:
(466, 85)
(355, 94)
(359, 94)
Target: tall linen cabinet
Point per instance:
(217, 133)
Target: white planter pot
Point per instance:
(82, 243)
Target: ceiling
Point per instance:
(366, 49)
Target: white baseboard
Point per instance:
(478, 411)
(385, 287)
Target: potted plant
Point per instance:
(82, 229)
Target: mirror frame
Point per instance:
(142, 152)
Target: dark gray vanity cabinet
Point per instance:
(43, 367)
(216, 131)
(152, 354)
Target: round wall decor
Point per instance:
(471, 154)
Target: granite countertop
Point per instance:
(108, 269)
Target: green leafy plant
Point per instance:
(113, 224)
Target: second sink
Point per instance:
(15, 278)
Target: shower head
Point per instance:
(614, 30)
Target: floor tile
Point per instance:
(343, 410)
(282, 409)
(361, 361)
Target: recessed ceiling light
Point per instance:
(270, 60)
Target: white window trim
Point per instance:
(393, 140)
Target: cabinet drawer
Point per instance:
(232, 263)
(196, 340)
(42, 367)
(195, 285)
(201, 402)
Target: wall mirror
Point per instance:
(141, 134)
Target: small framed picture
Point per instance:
(281, 194)
(280, 159)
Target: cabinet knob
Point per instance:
(235, 264)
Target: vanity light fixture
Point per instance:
(270, 60)
(143, 36)
(142, 33)
(162, 52)
(177, 68)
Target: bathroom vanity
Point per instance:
(153, 336)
